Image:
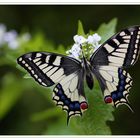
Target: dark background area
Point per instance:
(60, 24)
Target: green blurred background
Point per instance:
(23, 99)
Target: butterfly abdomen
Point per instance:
(89, 80)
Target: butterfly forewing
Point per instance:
(121, 50)
(48, 68)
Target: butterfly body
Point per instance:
(68, 74)
(88, 74)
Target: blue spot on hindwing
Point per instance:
(59, 86)
(122, 76)
(122, 82)
(121, 88)
(120, 94)
(60, 92)
(77, 106)
(120, 71)
(71, 106)
(114, 95)
(67, 102)
(62, 97)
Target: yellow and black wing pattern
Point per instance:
(64, 72)
(110, 60)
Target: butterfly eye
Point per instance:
(84, 106)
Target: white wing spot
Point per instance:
(35, 76)
(126, 37)
(20, 59)
(127, 41)
(121, 50)
(116, 41)
(108, 48)
(32, 72)
(36, 60)
(137, 41)
(134, 56)
(132, 61)
(38, 55)
(122, 33)
(123, 45)
(39, 80)
(135, 51)
(29, 68)
(43, 84)
(23, 62)
(47, 58)
(26, 65)
(57, 61)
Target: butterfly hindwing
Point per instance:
(115, 84)
(121, 50)
(69, 94)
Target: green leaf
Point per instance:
(93, 121)
(47, 114)
(80, 29)
(27, 76)
(9, 93)
(107, 30)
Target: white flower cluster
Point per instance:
(11, 37)
(92, 42)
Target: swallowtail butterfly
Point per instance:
(107, 63)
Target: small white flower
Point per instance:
(93, 39)
(76, 48)
(91, 44)
(96, 37)
(11, 39)
(10, 36)
(75, 51)
(13, 44)
(79, 39)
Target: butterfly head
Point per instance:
(84, 47)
